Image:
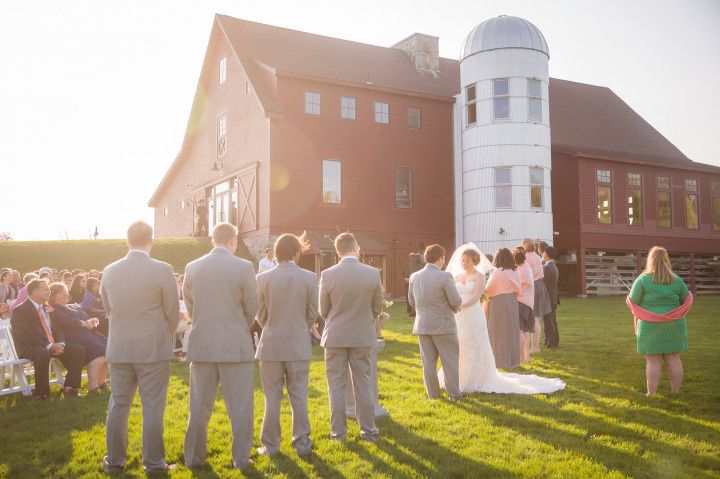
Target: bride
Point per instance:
(477, 364)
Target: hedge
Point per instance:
(27, 256)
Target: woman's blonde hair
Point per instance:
(529, 245)
(658, 265)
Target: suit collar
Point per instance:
(286, 264)
(220, 250)
(349, 259)
(137, 253)
(432, 266)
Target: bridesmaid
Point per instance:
(502, 315)
(526, 301)
(541, 302)
(659, 290)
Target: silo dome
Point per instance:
(504, 32)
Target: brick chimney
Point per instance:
(423, 50)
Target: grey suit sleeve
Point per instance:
(451, 293)
(187, 291)
(324, 297)
(249, 295)
(262, 314)
(170, 299)
(377, 303)
(312, 304)
(105, 300)
(411, 296)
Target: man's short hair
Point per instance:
(433, 253)
(223, 233)
(345, 243)
(551, 252)
(33, 285)
(139, 235)
(288, 245)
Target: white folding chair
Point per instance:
(12, 369)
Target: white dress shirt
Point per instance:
(266, 264)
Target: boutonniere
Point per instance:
(50, 309)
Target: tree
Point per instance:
(5, 236)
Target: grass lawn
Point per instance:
(602, 425)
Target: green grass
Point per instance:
(602, 425)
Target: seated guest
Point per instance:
(79, 329)
(67, 279)
(17, 281)
(7, 292)
(93, 305)
(77, 288)
(22, 293)
(37, 340)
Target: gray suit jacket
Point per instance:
(141, 299)
(551, 280)
(433, 294)
(220, 293)
(350, 299)
(287, 307)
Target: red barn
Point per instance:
(292, 132)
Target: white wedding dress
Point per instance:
(477, 363)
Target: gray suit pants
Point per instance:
(294, 376)
(447, 348)
(336, 370)
(237, 381)
(152, 381)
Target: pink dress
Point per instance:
(541, 304)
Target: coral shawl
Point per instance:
(645, 315)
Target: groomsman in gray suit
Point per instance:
(287, 311)
(350, 300)
(436, 300)
(220, 293)
(142, 303)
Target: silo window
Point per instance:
(536, 188)
(501, 99)
(503, 188)
(534, 100)
(470, 99)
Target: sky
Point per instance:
(95, 95)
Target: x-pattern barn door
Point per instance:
(247, 199)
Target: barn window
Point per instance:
(715, 192)
(503, 188)
(403, 187)
(222, 76)
(604, 205)
(536, 188)
(347, 108)
(664, 209)
(222, 136)
(663, 182)
(166, 211)
(312, 103)
(691, 205)
(332, 182)
(635, 207)
(604, 176)
(501, 99)
(471, 99)
(382, 112)
(413, 117)
(534, 100)
(634, 179)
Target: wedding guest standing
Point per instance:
(541, 305)
(220, 293)
(503, 316)
(267, 262)
(80, 329)
(550, 270)
(142, 304)
(287, 310)
(37, 340)
(350, 300)
(658, 291)
(526, 300)
(436, 299)
(93, 305)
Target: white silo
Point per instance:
(502, 136)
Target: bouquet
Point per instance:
(382, 318)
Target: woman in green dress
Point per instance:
(659, 290)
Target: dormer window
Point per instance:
(222, 70)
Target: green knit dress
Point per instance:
(660, 338)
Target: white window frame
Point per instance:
(470, 103)
(348, 108)
(691, 185)
(634, 179)
(502, 96)
(222, 73)
(600, 176)
(313, 103)
(537, 185)
(504, 185)
(534, 99)
(408, 117)
(339, 185)
(411, 185)
(382, 112)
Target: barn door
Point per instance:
(247, 200)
